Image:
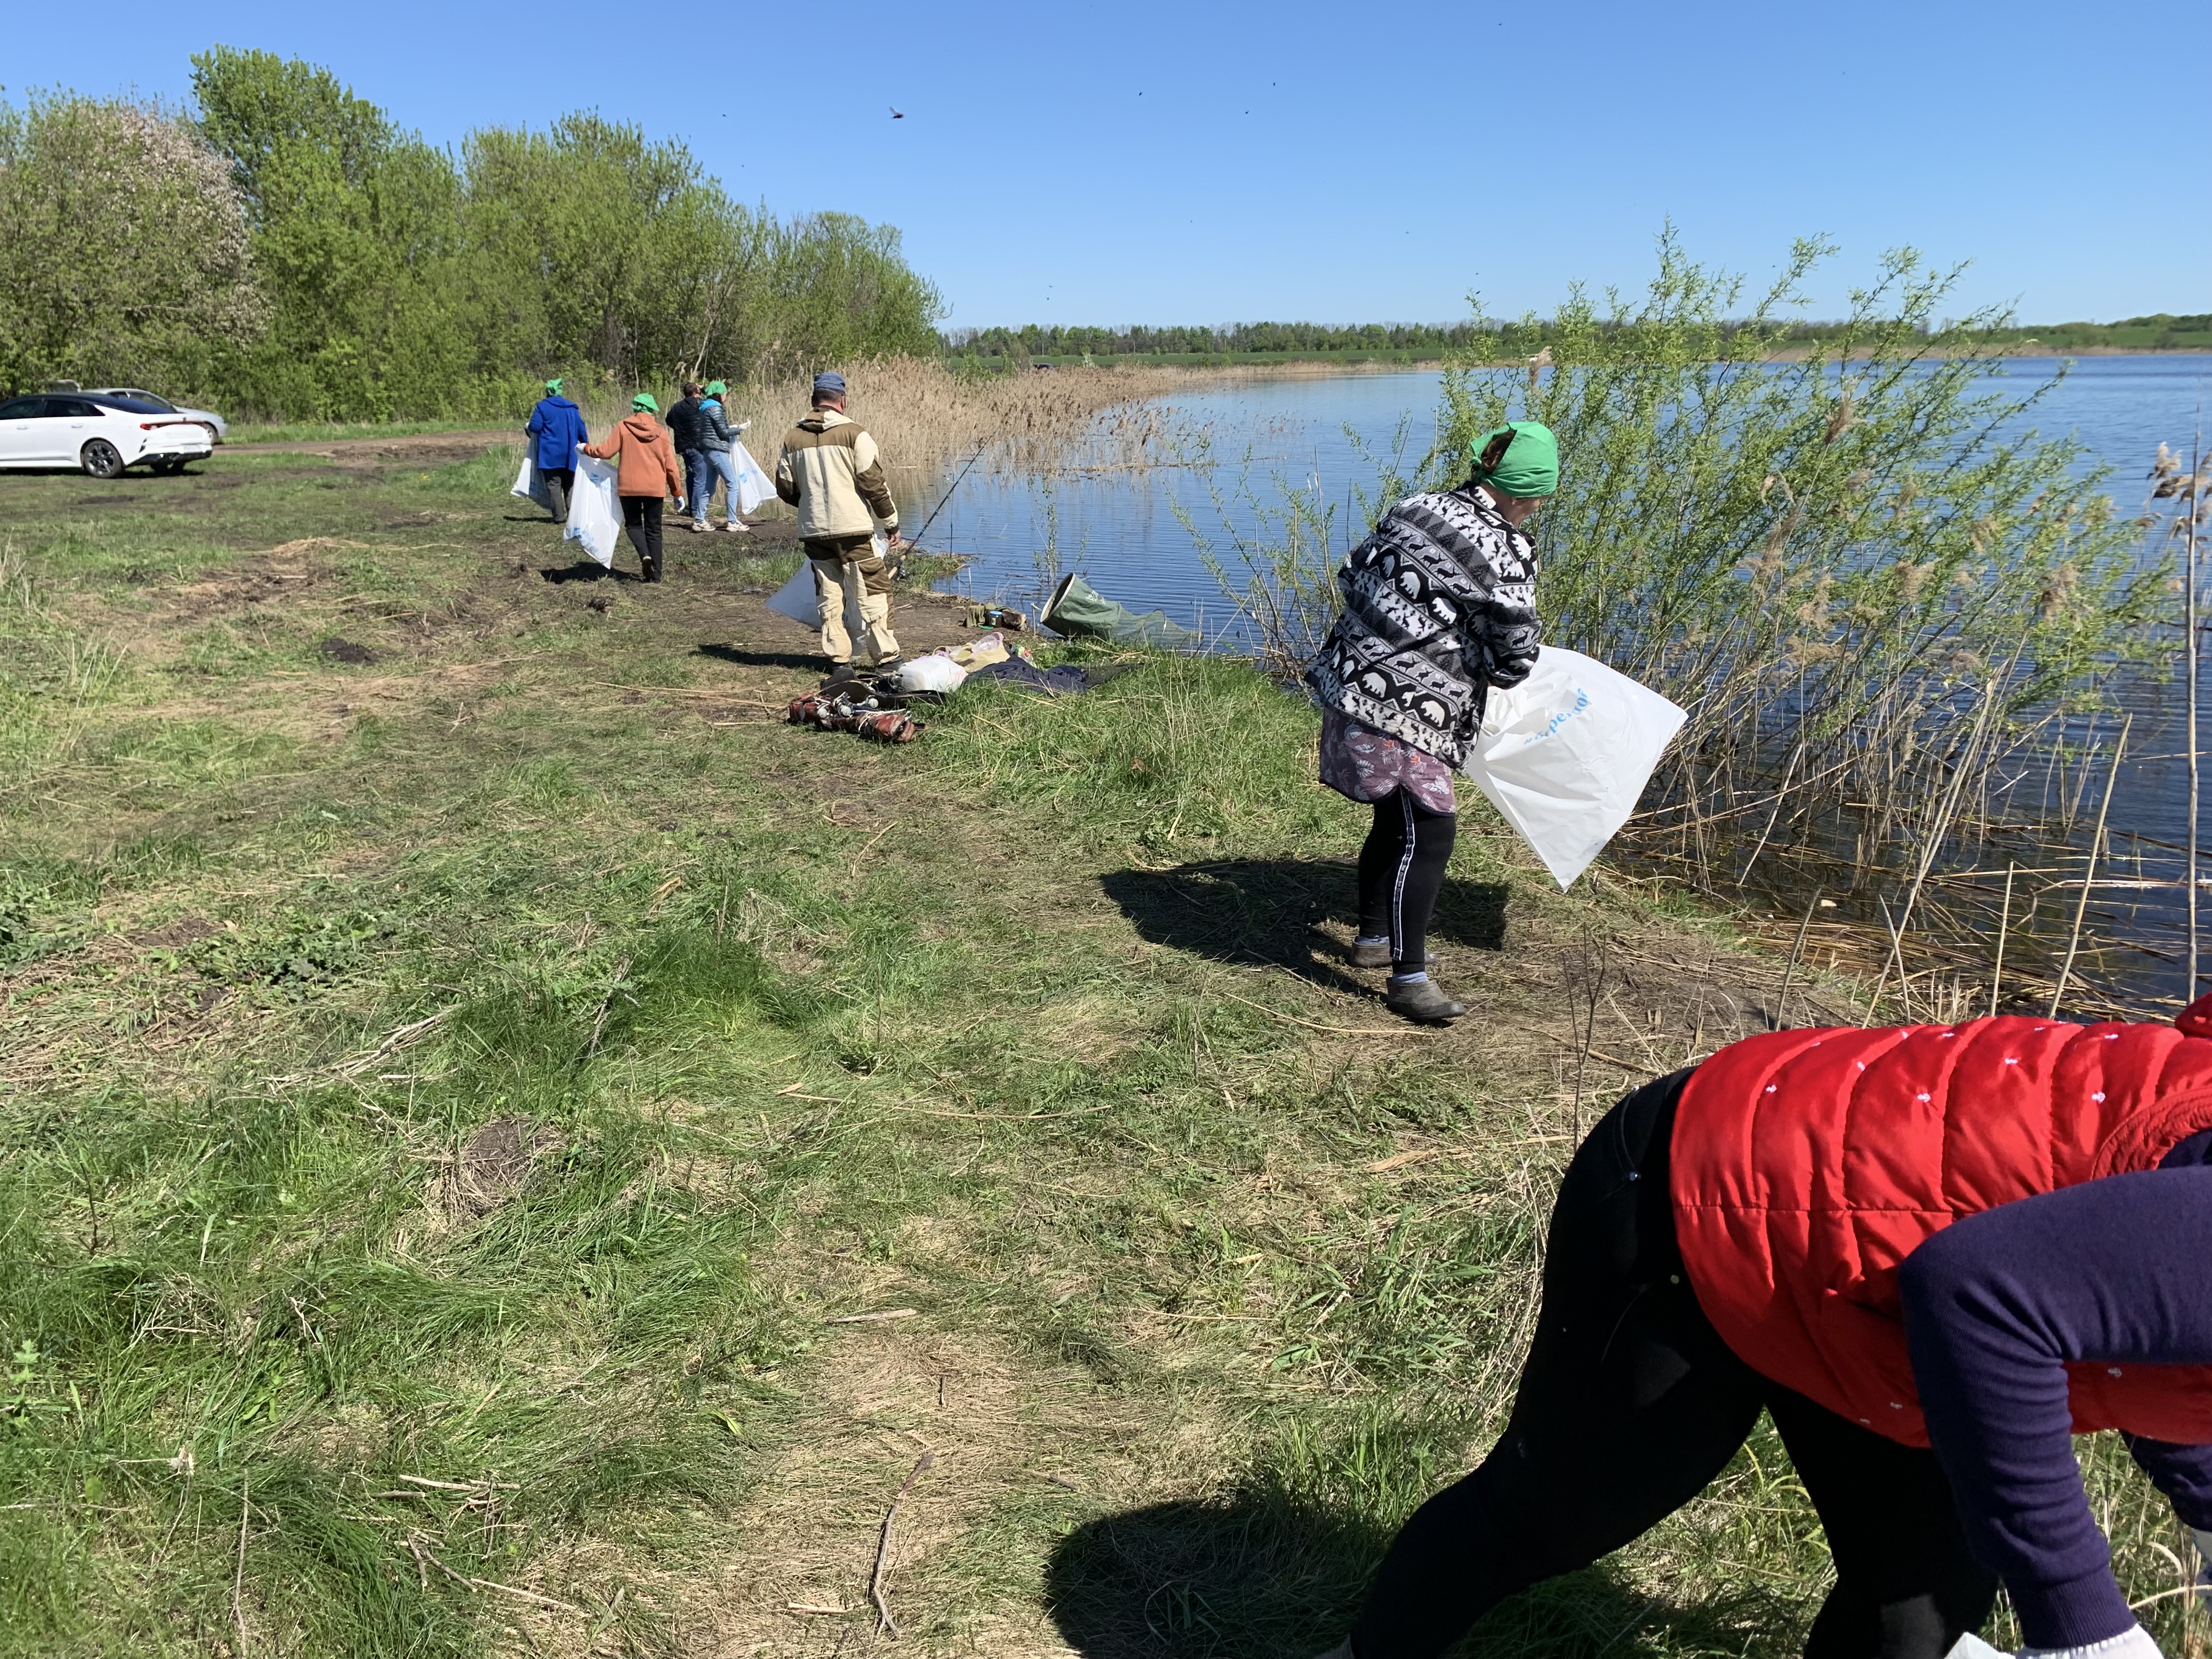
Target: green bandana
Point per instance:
(1530, 465)
(716, 388)
(553, 388)
(644, 400)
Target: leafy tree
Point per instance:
(126, 243)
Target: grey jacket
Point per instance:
(715, 432)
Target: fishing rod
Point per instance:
(915, 540)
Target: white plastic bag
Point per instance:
(530, 483)
(801, 601)
(754, 486)
(934, 673)
(1565, 754)
(594, 515)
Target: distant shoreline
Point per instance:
(1315, 365)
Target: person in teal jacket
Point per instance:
(556, 427)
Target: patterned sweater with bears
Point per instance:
(1439, 605)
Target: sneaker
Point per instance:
(841, 673)
(1423, 1002)
(697, 526)
(737, 529)
(1378, 956)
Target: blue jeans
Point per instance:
(698, 479)
(725, 463)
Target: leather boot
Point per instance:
(1422, 1001)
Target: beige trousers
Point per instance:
(840, 583)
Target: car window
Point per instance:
(19, 409)
(134, 405)
(75, 409)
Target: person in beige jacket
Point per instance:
(830, 471)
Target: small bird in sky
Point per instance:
(897, 115)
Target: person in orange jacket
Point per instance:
(645, 473)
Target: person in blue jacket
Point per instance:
(556, 426)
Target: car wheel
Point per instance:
(101, 460)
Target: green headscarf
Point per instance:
(1530, 465)
(717, 388)
(644, 400)
(553, 388)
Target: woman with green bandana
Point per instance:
(556, 429)
(716, 435)
(1439, 607)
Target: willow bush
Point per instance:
(1864, 577)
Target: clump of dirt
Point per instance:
(337, 650)
(494, 1166)
(174, 935)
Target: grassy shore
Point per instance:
(461, 1056)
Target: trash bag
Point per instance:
(754, 485)
(1565, 754)
(594, 517)
(800, 600)
(530, 483)
(1075, 607)
(934, 673)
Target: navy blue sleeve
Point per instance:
(1994, 1306)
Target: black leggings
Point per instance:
(1401, 871)
(1629, 1404)
(642, 514)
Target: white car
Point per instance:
(101, 434)
(218, 428)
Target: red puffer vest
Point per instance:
(1808, 1164)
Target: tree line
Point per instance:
(284, 249)
(1033, 340)
(1479, 337)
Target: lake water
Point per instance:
(1130, 533)
(1125, 531)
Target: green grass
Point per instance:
(1017, 1027)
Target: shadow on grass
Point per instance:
(584, 570)
(741, 657)
(1255, 1578)
(1271, 910)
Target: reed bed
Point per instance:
(927, 418)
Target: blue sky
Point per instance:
(1148, 162)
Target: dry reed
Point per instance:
(927, 419)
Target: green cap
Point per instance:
(644, 400)
(553, 388)
(716, 388)
(1530, 465)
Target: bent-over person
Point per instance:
(1931, 1255)
(829, 470)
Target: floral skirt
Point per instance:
(1362, 764)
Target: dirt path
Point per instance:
(422, 446)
